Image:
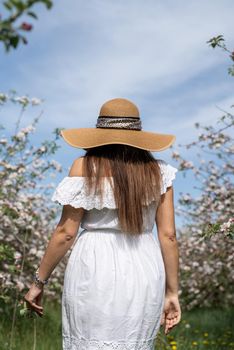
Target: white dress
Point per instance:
(114, 284)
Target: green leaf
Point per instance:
(231, 70)
(48, 3)
(14, 41)
(18, 4)
(32, 14)
(8, 5)
(215, 41)
(232, 56)
(220, 38)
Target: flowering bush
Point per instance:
(206, 271)
(27, 218)
(212, 211)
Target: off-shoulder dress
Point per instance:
(114, 284)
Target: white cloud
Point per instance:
(87, 52)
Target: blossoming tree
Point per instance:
(12, 30)
(27, 217)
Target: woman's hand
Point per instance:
(171, 315)
(33, 299)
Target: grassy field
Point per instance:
(36, 333)
(201, 329)
(198, 329)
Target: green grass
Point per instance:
(201, 329)
(46, 330)
(198, 329)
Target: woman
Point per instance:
(120, 283)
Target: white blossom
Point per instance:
(35, 101)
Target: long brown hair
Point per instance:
(136, 179)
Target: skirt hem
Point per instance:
(74, 343)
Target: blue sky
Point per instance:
(82, 53)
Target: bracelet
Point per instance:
(38, 281)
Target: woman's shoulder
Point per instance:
(73, 190)
(77, 167)
(168, 173)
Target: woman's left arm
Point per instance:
(60, 242)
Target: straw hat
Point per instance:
(118, 123)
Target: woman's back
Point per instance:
(101, 211)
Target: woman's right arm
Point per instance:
(165, 222)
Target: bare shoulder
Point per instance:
(77, 167)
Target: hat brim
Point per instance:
(94, 137)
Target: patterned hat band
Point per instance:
(129, 123)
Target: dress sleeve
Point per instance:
(72, 191)
(168, 174)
